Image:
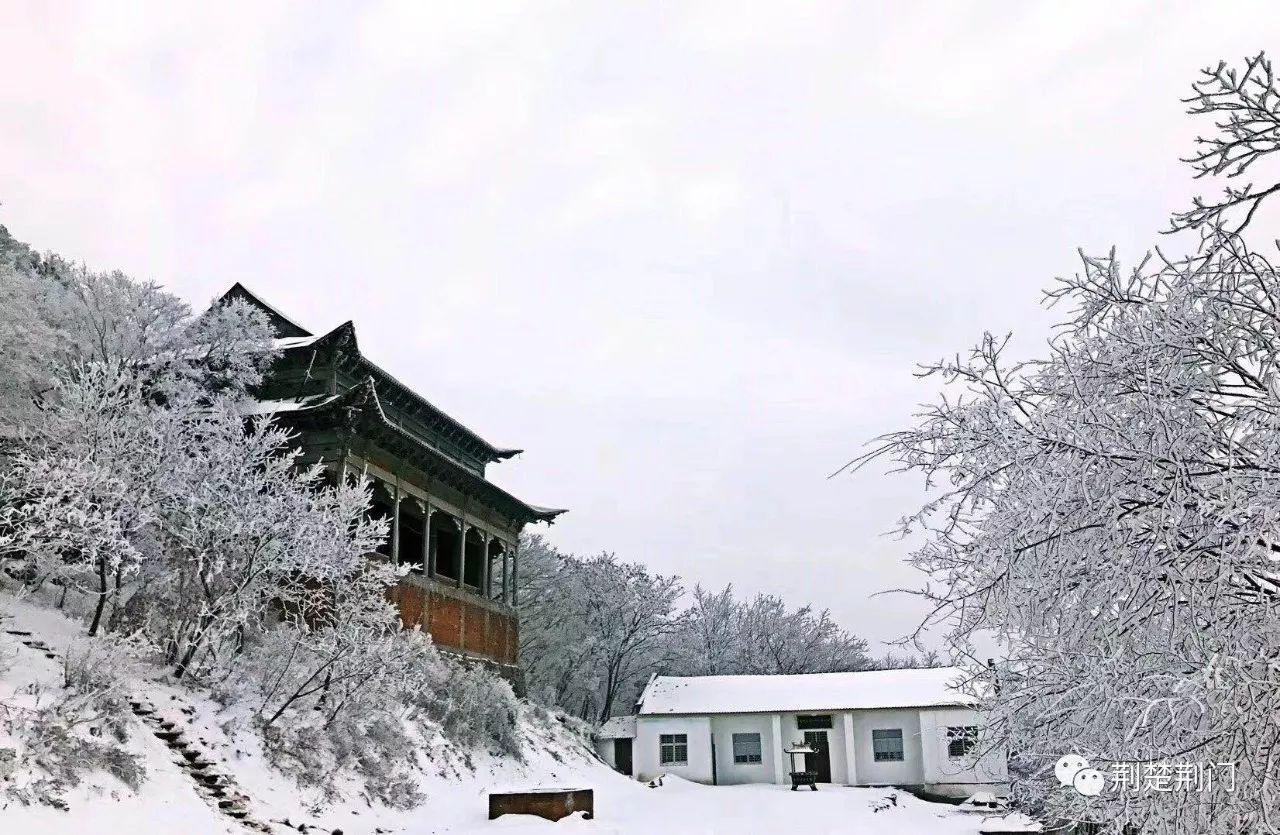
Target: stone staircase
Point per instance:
(210, 780)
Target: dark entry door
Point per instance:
(622, 755)
(820, 760)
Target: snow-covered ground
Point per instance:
(169, 802)
(684, 807)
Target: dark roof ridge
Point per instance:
(364, 395)
(238, 290)
(494, 452)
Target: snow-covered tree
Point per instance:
(773, 640)
(81, 500)
(722, 635)
(62, 316)
(109, 380)
(627, 614)
(707, 642)
(242, 529)
(592, 629)
(136, 476)
(144, 482)
(549, 631)
(1110, 512)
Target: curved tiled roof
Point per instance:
(291, 337)
(361, 405)
(376, 386)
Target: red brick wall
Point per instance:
(477, 625)
(457, 624)
(495, 644)
(446, 622)
(411, 601)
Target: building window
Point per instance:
(673, 749)
(886, 745)
(961, 740)
(815, 722)
(746, 748)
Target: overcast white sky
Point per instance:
(685, 254)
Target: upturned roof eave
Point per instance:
(364, 398)
(493, 453)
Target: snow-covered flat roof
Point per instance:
(803, 693)
(619, 727)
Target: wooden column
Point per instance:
(426, 532)
(515, 571)
(484, 564)
(428, 556)
(462, 551)
(395, 524)
(506, 567)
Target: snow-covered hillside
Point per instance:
(206, 772)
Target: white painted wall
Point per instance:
(724, 727)
(910, 771)
(604, 747)
(645, 753)
(607, 749)
(850, 749)
(940, 770)
(924, 738)
(792, 734)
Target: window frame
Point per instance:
(746, 758)
(964, 735)
(672, 745)
(886, 735)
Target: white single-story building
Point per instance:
(615, 742)
(906, 728)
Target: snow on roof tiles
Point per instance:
(619, 727)
(797, 693)
(272, 407)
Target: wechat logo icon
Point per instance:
(1073, 770)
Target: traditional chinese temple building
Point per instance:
(457, 531)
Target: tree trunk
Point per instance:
(102, 597)
(113, 620)
(192, 647)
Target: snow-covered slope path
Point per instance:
(202, 763)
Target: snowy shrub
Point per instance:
(94, 675)
(471, 705)
(61, 741)
(337, 648)
(79, 732)
(327, 699)
(376, 752)
(580, 729)
(301, 751)
(372, 745)
(383, 755)
(368, 727)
